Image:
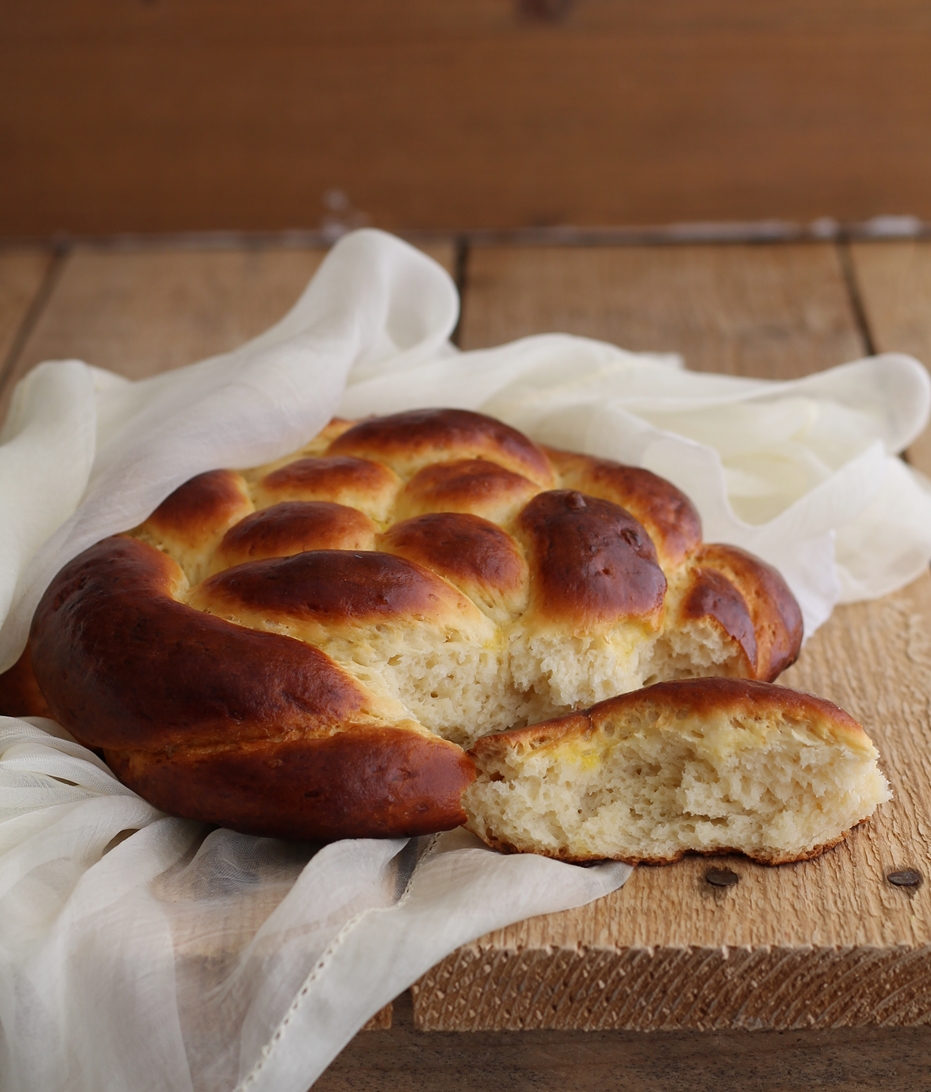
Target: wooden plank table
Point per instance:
(812, 974)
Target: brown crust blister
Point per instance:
(472, 553)
(592, 564)
(777, 619)
(294, 527)
(341, 479)
(409, 441)
(476, 486)
(201, 510)
(669, 516)
(357, 783)
(333, 587)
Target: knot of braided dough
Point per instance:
(303, 650)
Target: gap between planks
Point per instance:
(27, 276)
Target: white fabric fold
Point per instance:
(144, 953)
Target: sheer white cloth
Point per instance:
(141, 952)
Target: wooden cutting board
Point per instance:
(826, 944)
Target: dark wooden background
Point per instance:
(181, 115)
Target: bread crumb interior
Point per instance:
(656, 785)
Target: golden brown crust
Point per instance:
(199, 511)
(333, 587)
(503, 846)
(123, 665)
(409, 441)
(358, 783)
(179, 698)
(733, 697)
(543, 734)
(592, 564)
(472, 553)
(341, 479)
(702, 698)
(706, 696)
(476, 486)
(669, 516)
(710, 595)
(776, 617)
(293, 527)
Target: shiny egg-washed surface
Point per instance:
(301, 649)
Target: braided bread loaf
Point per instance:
(303, 650)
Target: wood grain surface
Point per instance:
(774, 312)
(170, 116)
(894, 280)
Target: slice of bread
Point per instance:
(700, 765)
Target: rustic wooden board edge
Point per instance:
(676, 989)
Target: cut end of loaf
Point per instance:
(698, 766)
